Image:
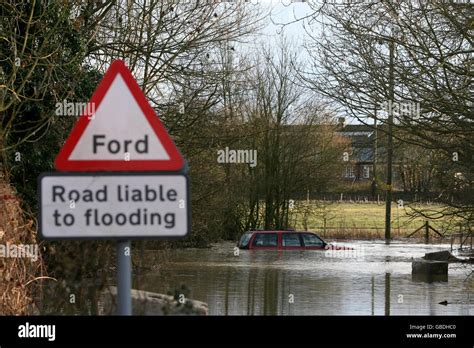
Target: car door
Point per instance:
(291, 241)
(265, 241)
(312, 241)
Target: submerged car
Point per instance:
(285, 240)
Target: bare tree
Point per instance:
(43, 45)
(298, 149)
(172, 47)
(412, 57)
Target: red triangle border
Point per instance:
(176, 161)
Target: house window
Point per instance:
(349, 173)
(366, 172)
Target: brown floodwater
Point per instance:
(373, 279)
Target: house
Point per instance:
(362, 153)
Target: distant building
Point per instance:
(360, 157)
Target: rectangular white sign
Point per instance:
(113, 206)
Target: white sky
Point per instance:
(284, 12)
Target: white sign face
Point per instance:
(111, 206)
(118, 129)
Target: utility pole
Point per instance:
(376, 135)
(388, 199)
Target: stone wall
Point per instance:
(151, 303)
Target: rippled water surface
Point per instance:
(374, 279)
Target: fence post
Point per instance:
(324, 229)
(427, 232)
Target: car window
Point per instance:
(291, 240)
(265, 240)
(312, 240)
(244, 241)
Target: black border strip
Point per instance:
(347, 331)
(49, 174)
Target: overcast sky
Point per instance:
(284, 12)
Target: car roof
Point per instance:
(278, 231)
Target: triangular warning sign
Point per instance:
(121, 133)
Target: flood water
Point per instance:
(374, 279)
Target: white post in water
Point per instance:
(124, 278)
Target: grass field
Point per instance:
(364, 220)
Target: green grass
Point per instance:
(364, 219)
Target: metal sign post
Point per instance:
(124, 278)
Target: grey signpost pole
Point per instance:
(124, 278)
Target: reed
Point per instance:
(19, 276)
